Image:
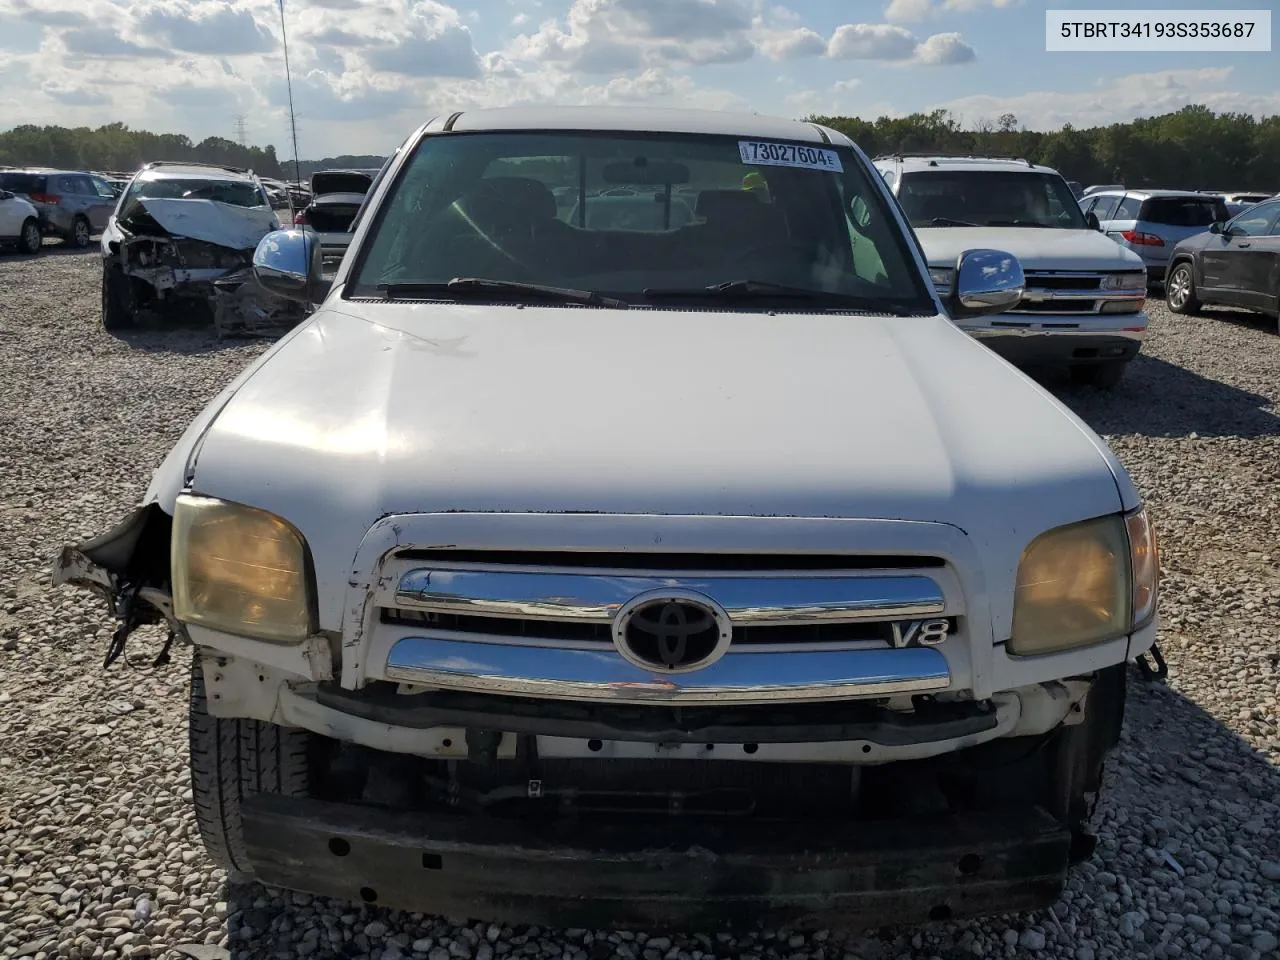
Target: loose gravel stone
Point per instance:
(99, 855)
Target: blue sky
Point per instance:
(367, 71)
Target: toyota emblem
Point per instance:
(672, 631)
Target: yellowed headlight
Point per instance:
(1073, 588)
(240, 570)
(1146, 566)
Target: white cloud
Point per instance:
(612, 36)
(871, 41)
(367, 71)
(967, 6)
(791, 44)
(74, 96)
(916, 10)
(1118, 99)
(202, 27)
(890, 42)
(944, 48)
(909, 10)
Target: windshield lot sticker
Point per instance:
(764, 153)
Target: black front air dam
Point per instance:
(658, 873)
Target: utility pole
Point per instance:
(293, 125)
(242, 124)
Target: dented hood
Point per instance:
(222, 224)
(379, 409)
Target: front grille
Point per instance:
(1063, 281)
(866, 631)
(571, 600)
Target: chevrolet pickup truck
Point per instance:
(1082, 306)
(699, 573)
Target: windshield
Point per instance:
(989, 198)
(238, 193)
(639, 216)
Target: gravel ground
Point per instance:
(99, 854)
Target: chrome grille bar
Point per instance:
(596, 597)
(555, 673)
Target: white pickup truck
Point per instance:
(1082, 307)
(689, 573)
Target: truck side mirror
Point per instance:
(1091, 219)
(986, 282)
(287, 262)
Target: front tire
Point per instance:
(1180, 292)
(30, 239)
(117, 306)
(1104, 376)
(81, 233)
(232, 758)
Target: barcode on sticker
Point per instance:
(770, 154)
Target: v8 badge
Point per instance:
(920, 633)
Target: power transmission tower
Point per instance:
(242, 124)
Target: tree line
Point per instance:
(1192, 149)
(116, 147)
(347, 161)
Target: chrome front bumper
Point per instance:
(747, 677)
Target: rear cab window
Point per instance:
(1184, 211)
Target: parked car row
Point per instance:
(71, 205)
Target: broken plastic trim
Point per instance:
(128, 566)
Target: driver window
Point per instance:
(1257, 222)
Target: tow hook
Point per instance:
(1151, 665)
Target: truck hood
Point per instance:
(1036, 247)
(373, 409)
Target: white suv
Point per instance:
(177, 229)
(1085, 293)
(651, 559)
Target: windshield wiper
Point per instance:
(766, 290)
(480, 285)
(951, 222)
(1019, 223)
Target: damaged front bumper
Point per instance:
(192, 253)
(666, 873)
(128, 567)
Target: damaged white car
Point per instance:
(181, 242)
